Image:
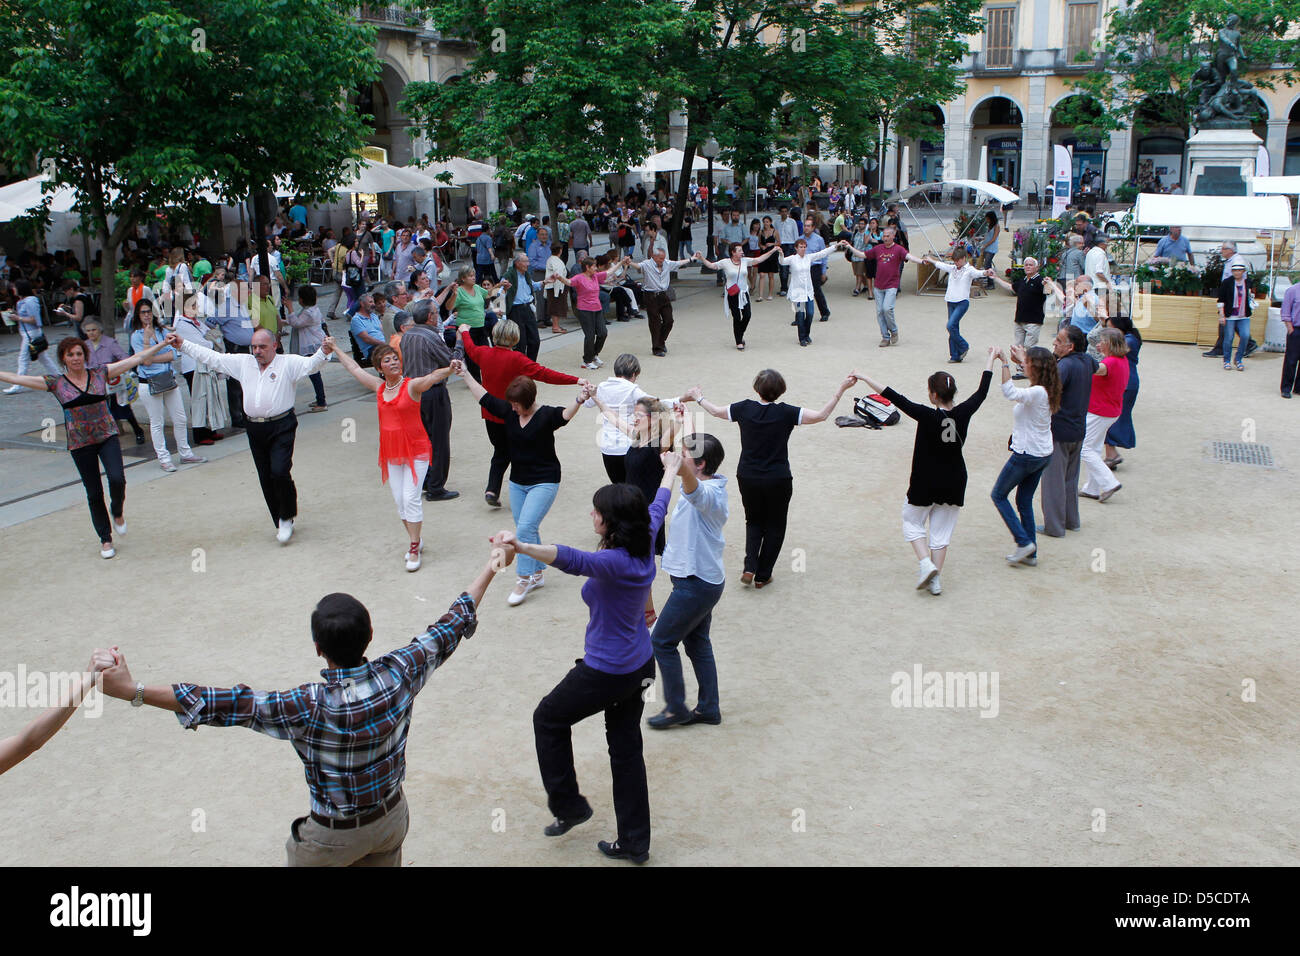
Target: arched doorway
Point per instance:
(1076, 125)
(920, 129)
(1160, 130)
(996, 123)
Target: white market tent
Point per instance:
(670, 161)
(986, 193)
(464, 172)
(1223, 212)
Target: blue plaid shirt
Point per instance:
(350, 731)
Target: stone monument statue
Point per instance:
(1223, 98)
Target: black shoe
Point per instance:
(665, 720)
(493, 500)
(562, 826)
(139, 438)
(616, 852)
(795, 322)
(441, 495)
(1286, 394)
(1213, 353)
(805, 341)
(697, 718)
(1251, 347)
(826, 317)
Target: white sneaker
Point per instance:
(107, 550)
(166, 466)
(119, 526)
(935, 587)
(1019, 555)
(927, 573)
(413, 556)
(285, 532)
(14, 389)
(588, 365)
(600, 363)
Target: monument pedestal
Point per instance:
(1221, 162)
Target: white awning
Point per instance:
(992, 190)
(1224, 212)
(1276, 185)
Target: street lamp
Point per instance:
(709, 149)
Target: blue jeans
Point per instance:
(1241, 327)
(957, 345)
(885, 311)
(685, 619)
(1022, 473)
(804, 316)
(529, 504)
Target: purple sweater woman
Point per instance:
(617, 665)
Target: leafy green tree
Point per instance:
(558, 92)
(1152, 48)
(750, 70)
(139, 104)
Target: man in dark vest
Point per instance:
(520, 296)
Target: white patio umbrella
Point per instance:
(670, 161)
(28, 194)
(464, 172)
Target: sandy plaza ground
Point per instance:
(1121, 661)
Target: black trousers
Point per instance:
(435, 413)
(480, 338)
(496, 432)
(1291, 360)
(767, 504)
(659, 313)
(87, 459)
(235, 391)
(125, 413)
(585, 691)
(272, 446)
(616, 468)
(593, 333)
(200, 433)
(815, 273)
(787, 250)
(488, 271)
(739, 317)
(529, 341)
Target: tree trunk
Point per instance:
(108, 287)
(683, 197)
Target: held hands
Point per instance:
(111, 663)
(462, 328)
(848, 382)
(457, 367)
(503, 551)
(693, 394)
(173, 339)
(1018, 354)
(672, 462)
(328, 346)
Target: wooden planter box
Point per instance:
(1173, 318)
(1208, 333)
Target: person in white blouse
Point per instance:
(556, 295)
(269, 382)
(801, 291)
(957, 296)
(735, 271)
(1031, 445)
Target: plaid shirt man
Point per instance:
(350, 731)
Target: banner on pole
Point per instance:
(1061, 182)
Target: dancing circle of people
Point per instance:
(350, 729)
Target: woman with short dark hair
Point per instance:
(936, 490)
(534, 468)
(83, 392)
(617, 664)
(763, 473)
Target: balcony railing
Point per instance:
(391, 15)
(1013, 67)
(1066, 62)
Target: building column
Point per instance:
(1035, 137)
(956, 147)
(677, 129)
(1275, 143)
(889, 179)
(1118, 160)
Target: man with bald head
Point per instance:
(656, 274)
(269, 382)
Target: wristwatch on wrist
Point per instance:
(138, 699)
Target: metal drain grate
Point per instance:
(1241, 453)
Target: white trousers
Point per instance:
(1100, 478)
(942, 518)
(406, 489)
(160, 407)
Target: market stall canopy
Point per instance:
(18, 198)
(1276, 185)
(670, 161)
(991, 190)
(464, 172)
(1224, 212)
(369, 176)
